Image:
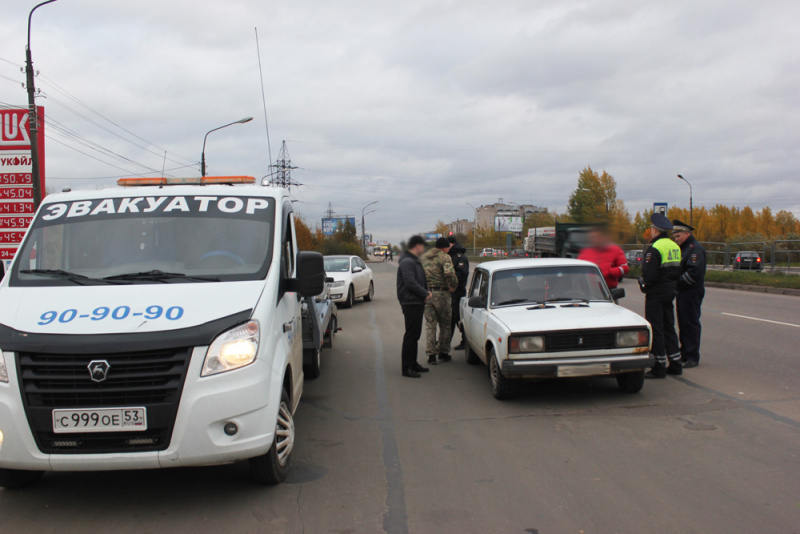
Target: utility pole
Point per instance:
(691, 208)
(282, 175)
(363, 231)
(32, 117)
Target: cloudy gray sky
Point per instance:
(424, 105)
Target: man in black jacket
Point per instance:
(691, 290)
(461, 264)
(412, 292)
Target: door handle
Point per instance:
(287, 327)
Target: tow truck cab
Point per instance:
(154, 325)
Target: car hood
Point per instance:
(596, 315)
(132, 308)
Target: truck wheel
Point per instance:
(370, 294)
(351, 298)
(501, 386)
(16, 478)
(273, 467)
(472, 357)
(311, 370)
(631, 382)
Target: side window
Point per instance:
(483, 289)
(288, 253)
(361, 263)
(476, 284)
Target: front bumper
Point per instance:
(549, 368)
(207, 404)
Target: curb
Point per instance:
(756, 289)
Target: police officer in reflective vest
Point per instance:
(691, 290)
(661, 268)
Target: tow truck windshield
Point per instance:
(146, 240)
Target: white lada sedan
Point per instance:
(551, 318)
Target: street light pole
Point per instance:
(32, 118)
(474, 226)
(691, 208)
(363, 231)
(203, 153)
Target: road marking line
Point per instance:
(762, 320)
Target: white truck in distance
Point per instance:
(152, 327)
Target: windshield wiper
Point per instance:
(569, 299)
(513, 301)
(159, 276)
(58, 273)
(539, 305)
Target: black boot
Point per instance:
(658, 371)
(432, 359)
(675, 366)
(444, 357)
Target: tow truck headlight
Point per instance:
(633, 338)
(525, 344)
(3, 368)
(232, 349)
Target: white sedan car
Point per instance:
(551, 318)
(352, 279)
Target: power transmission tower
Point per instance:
(282, 170)
(329, 212)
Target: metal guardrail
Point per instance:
(775, 251)
(717, 253)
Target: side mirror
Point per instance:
(357, 270)
(2, 269)
(311, 275)
(476, 302)
(618, 293)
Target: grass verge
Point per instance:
(746, 278)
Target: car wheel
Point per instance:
(351, 298)
(332, 327)
(370, 294)
(311, 370)
(273, 467)
(631, 382)
(472, 357)
(501, 386)
(16, 478)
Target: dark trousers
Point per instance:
(689, 303)
(414, 315)
(455, 316)
(660, 313)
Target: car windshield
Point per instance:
(337, 265)
(543, 284)
(160, 239)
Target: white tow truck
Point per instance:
(155, 325)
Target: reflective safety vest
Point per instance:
(670, 252)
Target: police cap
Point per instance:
(659, 220)
(680, 226)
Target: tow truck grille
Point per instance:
(586, 340)
(153, 379)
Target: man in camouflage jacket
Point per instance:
(442, 281)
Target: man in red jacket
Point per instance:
(606, 255)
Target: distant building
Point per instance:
(485, 216)
(460, 226)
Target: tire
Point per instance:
(351, 298)
(327, 343)
(312, 370)
(501, 386)
(273, 467)
(17, 479)
(472, 357)
(631, 382)
(370, 293)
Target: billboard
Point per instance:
(508, 223)
(331, 224)
(16, 183)
(661, 207)
(432, 236)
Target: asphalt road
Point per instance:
(713, 451)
